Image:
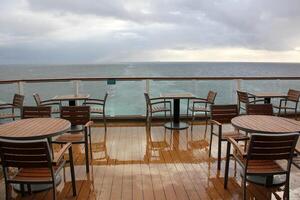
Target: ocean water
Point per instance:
(126, 97)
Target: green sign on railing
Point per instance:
(111, 81)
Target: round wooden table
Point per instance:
(265, 124)
(34, 129)
(268, 125)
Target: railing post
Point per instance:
(147, 86)
(76, 84)
(21, 87)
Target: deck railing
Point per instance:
(126, 93)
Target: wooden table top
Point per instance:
(267, 94)
(71, 97)
(265, 124)
(177, 95)
(34, 128)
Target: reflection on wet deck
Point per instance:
(132, 163)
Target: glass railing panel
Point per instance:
(46, 90)
(7, 92)
(125, 97)
(278, 86)
(224, 89)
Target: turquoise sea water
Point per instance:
(127, 97)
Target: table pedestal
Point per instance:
(176, 124)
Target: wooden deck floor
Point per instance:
(129, 163)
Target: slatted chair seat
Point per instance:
(96, 110)
(200, 109)
(235, 135)
(7, 116)
(263, 153)
(159, 108)
(264, 167)
(293, 97)
(223, 114)
(35, 175)
(17, 103)
(32, 163)
(201, 105)
(80, 132)
(156, 105)
(68, 137)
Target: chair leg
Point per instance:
(7, 193)
(104, 121)
(244, 187)
(193, 118)
(54, 190)
(286, 194)
(219, 153)
(86, 147)
(210, 143)
(206, 124)
(90, 141)
(72, 171)
(227, 165)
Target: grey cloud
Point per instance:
(31, 31)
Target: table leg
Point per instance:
(72, 103)
(176, 111)
(267, 100)
(176, 124)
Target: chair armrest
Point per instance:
(237, 147)
(157, 98)
(89, 123)
(215, 122)
(59, 155)
(49, 103)
(159, 102)
(198, 99)
(258, 100)
(6, 106)
(97, 100)
(93, 103)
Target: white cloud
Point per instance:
(75, 31)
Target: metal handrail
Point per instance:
(156, 78)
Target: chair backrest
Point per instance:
(147, 98)
(211, 97)
(224, 113)
(242, 97)
(104, 100)
(25, 154)
(293, 95)
(36, 112)
(37, 99)
(18, 100)
(259, 109)
(272, 146)
(77, 115)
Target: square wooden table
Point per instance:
(176, 124)
(72, 98)
(267, 95)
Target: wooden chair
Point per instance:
(36, 112)
(55, 105)
(156, 105)
(33, 164)
(223, 114)
(261, 158)
(201, 105)
(17, 103)
(244, 99)
(292, 97)
(97, 107)
(80, 132)
(259, 109)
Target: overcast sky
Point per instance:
(105, 31)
